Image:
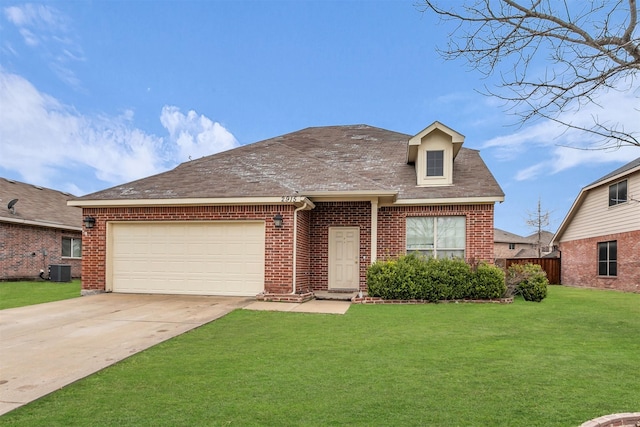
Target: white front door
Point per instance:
(344, 254)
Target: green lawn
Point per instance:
(570, 358)
(19, 294)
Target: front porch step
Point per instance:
(335, 296)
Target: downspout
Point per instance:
(295, 242)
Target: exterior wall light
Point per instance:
(278, 221)
(89, 222)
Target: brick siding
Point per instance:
(27, 249)
(312, 236)
(580, 262)
(303, 248)
(338, 214)
(392, 239)
(278, 241)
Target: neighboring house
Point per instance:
(599, 239)
(294, 214)
(510, 245)
(37, 230)
(541, 245)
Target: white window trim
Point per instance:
(72, 239)
(426, 159)
(617, 203)
(434, 247)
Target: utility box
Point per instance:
(60, 273)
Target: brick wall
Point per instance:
(580, 262)
(479, 228)
(26, 249)
(303, 266)
(278, 241)
(313, 236)
(338, 214)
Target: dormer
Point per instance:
(432, 152)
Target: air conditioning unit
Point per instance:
(60, 273)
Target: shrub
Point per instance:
(528, 280)
(414, 276)
(489, 282)
(394, 279)
(454, 277)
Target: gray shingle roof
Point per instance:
(632, 164)
(316, 159)
(545, 237)
(44, 206)
(502, 236)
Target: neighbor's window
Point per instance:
(435, 163)
(618, 193)
(512, 245)
(439, 237)
(608, 258)
(71, 248)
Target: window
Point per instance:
(512, 245)
(71, 248)
(608, 258)
(439, 237)
(618, 193)
(435, 163)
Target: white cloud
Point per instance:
(37, 15)
(195, 135)
(42, 137)
(47, 32)
(569, 148)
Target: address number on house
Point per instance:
(290, 199)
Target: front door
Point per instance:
(344, 254)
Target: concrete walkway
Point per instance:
(313, 306)
(45, 347)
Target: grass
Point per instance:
(570, 358)
(20, 294)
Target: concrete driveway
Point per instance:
(47, 346)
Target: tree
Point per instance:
(538, 220)
(591, 46)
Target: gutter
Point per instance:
(41, 223)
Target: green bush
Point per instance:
(528, 280)
(414, 276)
(453, 276)
(488, 282)
(394, 279)
(381, 279)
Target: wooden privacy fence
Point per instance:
(550, 265)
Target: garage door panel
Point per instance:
(210, 258)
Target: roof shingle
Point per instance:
(38, 204)
(316, 159)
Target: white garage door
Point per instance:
(200, 258)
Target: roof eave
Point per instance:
(581, 196)
(40, 223)
(612, 178)
(217, 201)
(479, 200)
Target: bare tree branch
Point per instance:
(591, 48)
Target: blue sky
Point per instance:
(98, 93)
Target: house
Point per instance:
(541, 244)
(510, 245)
(37, 229)
(291, 215)
(599, 239)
